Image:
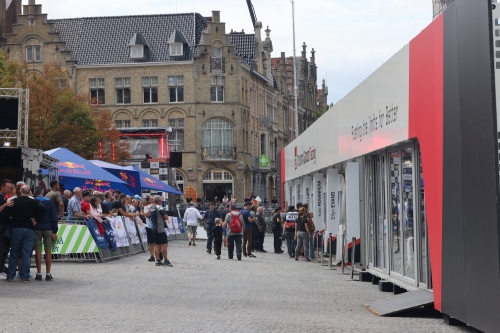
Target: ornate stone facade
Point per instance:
(230, 109)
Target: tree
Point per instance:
(319, 113)
(59, 117)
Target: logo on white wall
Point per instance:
(305, 157)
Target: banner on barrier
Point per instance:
(142, 230)
(74, 239)
(109, 235)
(180, 223)
(132, 230)
(119, 231)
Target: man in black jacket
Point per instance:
(24, 214)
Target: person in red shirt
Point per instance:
(86, 203)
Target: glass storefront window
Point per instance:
(397, 256)
(408, 208)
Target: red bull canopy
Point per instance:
(75, 171)
(135, 178)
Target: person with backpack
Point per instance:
(289, 232)
(234, 226)
(247, 230)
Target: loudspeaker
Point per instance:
(9, 110)
(176, 159)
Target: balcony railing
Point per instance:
(217, 65)
(218, 153)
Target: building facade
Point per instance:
(215, 92)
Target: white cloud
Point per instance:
(352, 37)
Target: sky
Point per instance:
(352, 38)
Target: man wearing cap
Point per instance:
(55, 196)
(158, 216)
(210, 216)
(74, 204)
(191, 217)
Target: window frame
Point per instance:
(217, 85)
(123, 123)
(137, 47)
(176, 87)
(150, 87)
(98, 87)
(150, 124)
(32, 52)
(176, 129)
(173, 46)
(123, 87)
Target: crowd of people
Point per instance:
(29, 223)
(245, 229)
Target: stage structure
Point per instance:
(14, 111)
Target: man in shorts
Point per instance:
(191, 217)
(158, 216)
(149, 228)
(46, 234)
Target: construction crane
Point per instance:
(440, 6)
(252, 12)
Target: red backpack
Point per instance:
(235, 224)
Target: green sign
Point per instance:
(264, 160)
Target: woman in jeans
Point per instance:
(302, 234)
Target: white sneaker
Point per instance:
(3, 275)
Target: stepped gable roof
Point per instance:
(105, 40)
(245, 47)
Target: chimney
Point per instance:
(3, 15)
(215, 16)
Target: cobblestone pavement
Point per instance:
(270, 293)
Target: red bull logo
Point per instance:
(71, 165)
(123, 176)
(100, 183)
(73, 168)
(150, 181)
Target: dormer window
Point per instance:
(138, 45)
(137, 51)
(176, 50)
(177, 43)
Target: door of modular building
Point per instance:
(395, 215)
(375, 177)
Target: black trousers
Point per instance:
(218, 245)
(290, 242)
(255, 240)
(231, 242)
(277, 240)
(4, 245)
(210, 239)
(260, 240)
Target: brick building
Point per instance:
(230, 111)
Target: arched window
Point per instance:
(217, 133)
